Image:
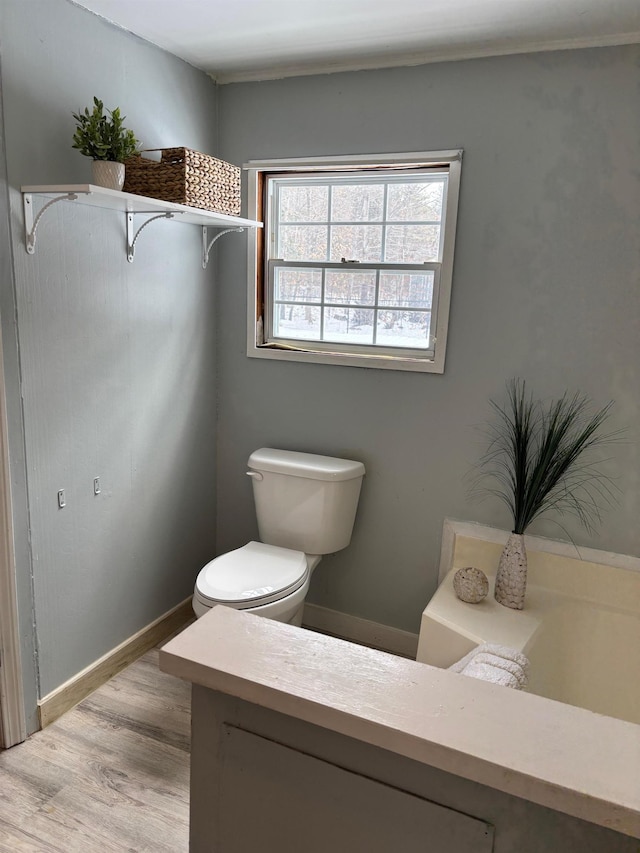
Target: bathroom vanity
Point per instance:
(307, 742)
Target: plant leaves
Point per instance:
(535, 461)
(103, 137)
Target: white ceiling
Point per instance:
(237, 40)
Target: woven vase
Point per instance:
(511, 579)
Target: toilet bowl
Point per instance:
(305, 507)
(258, 578)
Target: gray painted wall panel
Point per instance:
(118, 359)
(545, 287)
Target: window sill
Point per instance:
(383, 362)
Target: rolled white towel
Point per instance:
(497, 657)
(492, 649)
(505, 652)
(520, 673)
(493, 674)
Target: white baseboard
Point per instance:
(360, 631)
(63, 698)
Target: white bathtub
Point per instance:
(580, 627)
(588, 655)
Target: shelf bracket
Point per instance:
(31, 224)
(206, 247)
(131, 238)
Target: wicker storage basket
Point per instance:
(186, 177)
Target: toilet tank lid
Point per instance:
(308, 465)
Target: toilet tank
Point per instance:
(304, 501)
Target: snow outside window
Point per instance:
(356, 261)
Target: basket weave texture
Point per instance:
(186, 177)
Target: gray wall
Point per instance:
(545, 287)
(117, 360)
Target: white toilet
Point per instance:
(305, 506)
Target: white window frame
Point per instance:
(324, 354)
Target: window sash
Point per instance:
(321, 344)
(425, 174)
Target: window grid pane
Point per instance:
(415, 202)
(415, 239)
(355, 198)
(404, 328)
(303, 204)
(404, 322)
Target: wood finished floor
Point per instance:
(111, 775)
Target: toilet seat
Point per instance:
(252, 576)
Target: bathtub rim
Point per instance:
(453, 528)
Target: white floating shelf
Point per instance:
(129, 204)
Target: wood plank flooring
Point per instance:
(111, 775)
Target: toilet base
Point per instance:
(296, 619)
(290, 615)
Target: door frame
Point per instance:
(13, 728)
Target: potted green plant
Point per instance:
(540, 459)
(103, 137)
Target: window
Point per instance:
(355, 263)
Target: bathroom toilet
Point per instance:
(306, 506)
